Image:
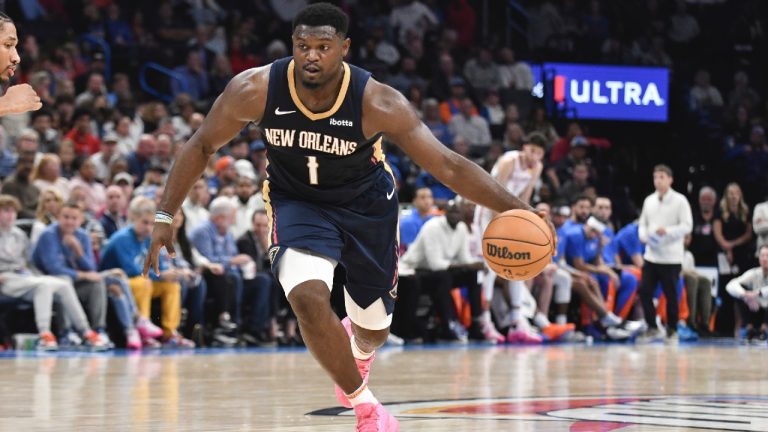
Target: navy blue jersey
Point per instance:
(319, 157)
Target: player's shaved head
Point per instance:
(321, 15)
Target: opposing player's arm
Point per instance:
(242, 101)
(386, 110)
(580, 264)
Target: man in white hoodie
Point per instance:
(664, 222)
(751, 291)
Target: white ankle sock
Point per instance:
(362, 395)
(515, 289)
(485, 317)
(561, 319)
(357, 352)
(541, 320)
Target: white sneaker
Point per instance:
(71, 339)
(635, 327)
(393, 339)
(616, 333)
(106, 340)
(650, 336)
(610, 320)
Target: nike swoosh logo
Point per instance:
(278, 112)
(391, 194)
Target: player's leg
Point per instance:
(588, 290)
(562, 295)
(370, 326)
(482, 219)
(520, 330)
(545, 284)
(486, 322)
(625, 296)
(307, 280)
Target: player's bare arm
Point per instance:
(386, 110)
(242, 102)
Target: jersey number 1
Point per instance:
(312, 165)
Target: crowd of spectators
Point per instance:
(98, 151)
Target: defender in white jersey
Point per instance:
(519, 171)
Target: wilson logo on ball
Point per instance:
(503, 252)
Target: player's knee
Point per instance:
(369, 340)
(297, 267)
(562, 294)
(628, 281)
(309, 299)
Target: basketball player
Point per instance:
(19, 98)
(330, 196)
(518, 171)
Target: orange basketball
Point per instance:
(517, 245)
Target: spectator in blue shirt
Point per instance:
(126, 249)
(431, 110)
(217, 244)
(412, 221)
(113, 217)
(195, 78)
(65, 249)
(141, 159)
(440, 192)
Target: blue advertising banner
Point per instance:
(606, 92)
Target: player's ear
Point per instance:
(345, 46)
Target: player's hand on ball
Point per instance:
(20, 99)
(553, 232)
(162, 236)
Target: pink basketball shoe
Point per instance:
(364, 366)
(520, 333)
(374, 418)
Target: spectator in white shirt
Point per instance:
(246, 201)
(442, 260)
(760, 224)
(703, 94)
(107, 154)
(196, 205)
(683, 27)
(664, 222)
(95, 194)
(472, 127)
(751, 289)
(515, 75)
(411, 16)
(482, 72)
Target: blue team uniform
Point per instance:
(328, 188)
(628, 282)
(627, 243)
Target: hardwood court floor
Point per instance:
(562, 388)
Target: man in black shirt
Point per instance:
(701, 241)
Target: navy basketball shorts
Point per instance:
(362, 235)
